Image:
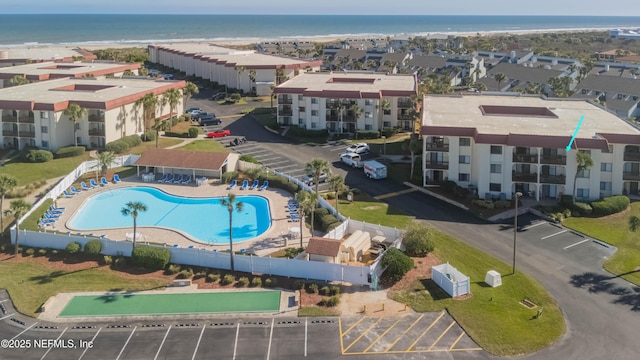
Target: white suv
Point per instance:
(359, 148)
(352, 159)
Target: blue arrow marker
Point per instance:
(568, 148)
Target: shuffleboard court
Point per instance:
(171, 304)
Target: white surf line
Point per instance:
(235, 346)
(305, 336)
(558, 233)
(578, 243)
(533, 225)
(127, 342)
(24, 331)
(198, 343)
(162, 343)
(270, 337)
(87, 348)
(58, 338)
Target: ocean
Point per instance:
(91, 28)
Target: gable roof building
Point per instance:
(621, 95)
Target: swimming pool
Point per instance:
(202, 218)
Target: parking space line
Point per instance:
(270, 338)
(456, 342)
(404, 333)
(392, 194)
(306, 320)
(428, 328)
(337, 149)
(558, 233)
(162, 343)
(198, 343)
(58, 338)
(24, 331)
(352, 326)
(383, 334)
(361, 335)
(235, 346)
(126, 343)
(340, 330)
(533, 225)
(441, 335)
(578, 243)
(4, 317)
(87, 348)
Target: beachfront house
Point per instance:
(33, 114)
(497, 145)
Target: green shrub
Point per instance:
(176, 134)
(581, 209)
(199, 275)
(117, 147)
(330, 301)
(271, 282)
(149, 257)
(70, 151)
(213, 277)
(566, 213)
(610, 205)
(193, 132)
(502, 204)
(290, 253)
(389, 132)
(29, 252)
(566, 200)
(73, 247)
(256, 282)
(312, 288)
(54, 252)
(483, 204)
(249, 158)
(396, 263)
(320, 212)
(335, 290)
(417, 240)
(132, 140)
(149, 135)
(330, 195)
(228, 176)
(172, 269)
(42, 252)
(107, 260)
(119, 261)
(93, 247)
(325, 290)
(327, 221)
(283, 183)
(243, 281)
(234, 98)
(227, 279)
(38, 156)
(298, 285)
(184, 274)
(362, 134)
(448, 186)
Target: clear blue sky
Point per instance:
(346, 7)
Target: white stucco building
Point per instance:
(515, 143)
(32, 114)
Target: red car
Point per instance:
(218, 133)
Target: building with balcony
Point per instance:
(245, 70)
(33, 114)
(502, 144)
(35, 72)
(317, 101)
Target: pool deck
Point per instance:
(271, 240)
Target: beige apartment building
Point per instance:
(502, 144)
(33, 114)
(318, 101)
(246, 70)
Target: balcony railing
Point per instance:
(30, 134)
(437, 164)
(629, 156)
(9, 118)
(553, 159)
(553, 179)
(437, 147)
(285, 101)
(96, 132)
(524, 177)
(631, 176)
(332, 118)
(405, 117)
(525, 158)
(26, 120)
(9, 132)
(96, 118)
(404, 104)
(285, 112)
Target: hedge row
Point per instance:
(122, 145)
(367, 135)
(149, 135)
(153, 258)
(38, 156)
(610, 205)
(70, 151)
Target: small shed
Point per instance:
(323, 249)
(355, 245)
(452, 281)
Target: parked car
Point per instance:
(209, 120)
(352, 159)
(219, 133)
(219, 96)
(167, 76)
(198, 116)
(359, 148)
(193, 110)
(309, 181)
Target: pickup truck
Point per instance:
(308, 179)
(352, 159)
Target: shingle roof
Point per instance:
(182, 159)
(323, 246)
(428, 61)
(610, 84)
(519, 72)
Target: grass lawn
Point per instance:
(184, 126)
(614, 230)
(312, 311)
(31, 283)
(162, 143)
(209, 145)
(26, 173)
(366, 208)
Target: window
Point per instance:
(302, 109)
(605, 186)
(386, 112)
(609, 149)
(79, 139)
(368, 115)
(495, 187)
(300, 97)
(367, 102)
(582, 193)
(465, 142)
(44, 115)
(314, 125)
(464, 177)
(464, 159)
(386, 124)
(77, 126)
(368, 127)
(314, 100)
(584, 173)
(44, 129)
(45, 144)
(300, 121)
(314, 112)
(496, 168)
(606, 167)
(496, 149)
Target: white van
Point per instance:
(352, 159)
(375, 170)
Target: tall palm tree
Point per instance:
(280, 78)
(307, 202)
(239, 71)
(189, 90)
(7, 184)
(105, 159)
(149, 103)
(499, 78)
(315, 168)
(252, 77)
(75, 112)
(336, 184)
(133, 209)
(231, 203)
(19, 80)
(17, 209)
(584, 162)
(172, 96)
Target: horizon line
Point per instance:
(308, 14)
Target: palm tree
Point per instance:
(7, 184)
(19, 80)
(414, 146)
(584, 162)
(75, 112)
(17, 209)
(172, 96)
(105, 159)
(336, 184)
(316, 167)
(307, 202)
(239, 71)
(149, 103)
(356, 111)
(384, 106)
(133, 209)
(128, 72)
(231, 203)
(481, 87)
(499, 78)
(189, 89)
(252, 77)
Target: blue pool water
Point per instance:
(202, 218)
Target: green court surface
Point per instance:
(169, 304)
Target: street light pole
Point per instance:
(515, 232)
(384, 146)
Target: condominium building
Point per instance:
(20, 55)
(246, 70)
(318, 101)
(50, 70)
(33, 114)
(501, 144)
